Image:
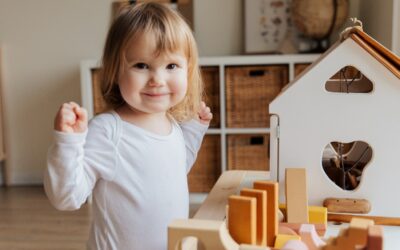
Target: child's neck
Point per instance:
(157, 123)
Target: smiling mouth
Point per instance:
(155, 94)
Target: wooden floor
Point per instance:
(28, 221)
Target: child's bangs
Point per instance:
(170, 39)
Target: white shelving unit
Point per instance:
(222, 63)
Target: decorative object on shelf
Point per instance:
(317, 19)
(266, 24)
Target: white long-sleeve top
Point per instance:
(138, 179)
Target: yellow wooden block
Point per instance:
(281, 239)
(317, 215)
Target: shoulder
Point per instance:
(105, 123)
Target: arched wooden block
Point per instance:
(210, 234)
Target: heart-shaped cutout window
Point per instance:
(344, 163)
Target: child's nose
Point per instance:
(156, 80)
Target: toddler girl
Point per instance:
(135, 158)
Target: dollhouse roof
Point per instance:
(377, 50)
(383, 55)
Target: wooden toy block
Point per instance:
(286, 230)
(252, 247)
(210, 234)
(281, 217)
(320, 228)
(261, 197)
(229, 183)
(242, 216)
(296, 195)
(281, 239)
(337, 205)
(358, 231)
(214, 206)
(355, 237)
(272, 208)
(295, 245)
(310, 237)
(375, 238)
(316, 214)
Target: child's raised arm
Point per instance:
(71, 118)
(80, 155)
(194, 131)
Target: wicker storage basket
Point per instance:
(211, 86)
(248, 152)
(249, 90)
(99, 105)
(300, 67)
(207, 167)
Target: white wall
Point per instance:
(44, 40)
(218, 27)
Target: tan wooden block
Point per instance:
(209, 233)
(261, 197)
(375, 238)
(358, 231)
(296, 195)
(320, 228)
(253, 247)
(214, 206)
(242, 216)
(272, 208)
(286, 230)
(340, 205)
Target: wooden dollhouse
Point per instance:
(343, 127)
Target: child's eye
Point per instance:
(141, 66)
(172, 66)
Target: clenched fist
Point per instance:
(205, 114)
(71, 118)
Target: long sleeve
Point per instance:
(193, 133)
(76, 161)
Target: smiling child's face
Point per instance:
(152, 82)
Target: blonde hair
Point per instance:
(171, 33)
